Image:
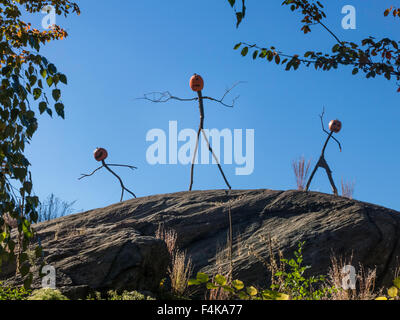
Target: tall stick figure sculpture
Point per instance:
(100, 154)
(334, 126)
(197, 85)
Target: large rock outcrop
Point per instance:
(115, 247)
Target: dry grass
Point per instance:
(168, 236)
(274, 263)
(181, 267)
(223, 268)
(301, 170)
(180, 271)
(365, 281)
(347, 189)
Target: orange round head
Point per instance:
(196, 83)
(100, 154)
(335, 126)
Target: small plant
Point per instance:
(125, 295)
(347, 189)
(181, 266)
(128, 295)
(237, 289)
(7, 293)
(47, 294)
(301, 171)
(295, 284)
(392, 292)
(53, 207)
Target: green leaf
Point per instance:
(237, 46)
(37, 92)
(232, 2)
(237, 284)
(60, 109)
(52, 69)
(396, 282)
(251, 291)
(192, 282)
(63, 78)
(355, 71)
(42, 107)
(228, 289)
(220, 279)
(243, 295)
(202, 277)
(28, 186)
(43, 73)
(255, 53)
(32, 80)
(56, 94)
(49, 81)
(244, 52)
(211, 286)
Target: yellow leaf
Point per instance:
(251, 291)
(381, 298)
(392, 292)
(283, 296)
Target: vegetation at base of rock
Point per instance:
(236, 289)
(125, 295)
(7, 293)
(293, 285)
(47, 294)
(393, 292)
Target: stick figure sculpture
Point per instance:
(334, 126)
(100, 154)
(196, 84)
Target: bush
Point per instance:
(128, 295)
(290, 284)
(19, 293)
(47, 294)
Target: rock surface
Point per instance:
(115, 247)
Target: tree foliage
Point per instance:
(26, 78)
(373, 57)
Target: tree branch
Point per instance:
(83, 175)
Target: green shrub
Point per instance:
(125, 295)
(128, 295)
(47, 294)
(237, 288)
(294, 283)
(7, 293)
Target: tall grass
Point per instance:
(301, 170)
(347, 189)
(181, 266)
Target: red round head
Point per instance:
(100, 154)
(335, 126)
(196, 83)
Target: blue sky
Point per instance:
(117, 51)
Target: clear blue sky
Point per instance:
(117, 51)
